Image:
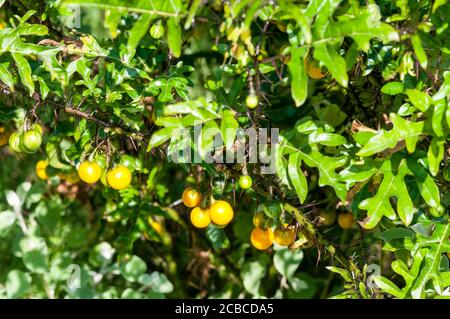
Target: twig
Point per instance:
(329, 246)
(19, 5)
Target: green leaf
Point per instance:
(298, 141)
(77, 237)
(333, 61)
(155, 7)
(387, 286)
(408, 274)
(34, 254)
(396, 233)
(217, 237)
(427, 187)
(17, 284)
(403, 129)
(419, 99)
(24, 71)
(205, 142)
(138, 31)
(444, 90)
(43, 88)
(200, 109)
(112, 20)
(195, 5)
(252, 273)
(130, 293)
(327, 139)
(228, 128)
(331, 114)
(7, 219)
(6, 76)
(438, 3)
(392, 88)
(435, 155)
(437, 118)
(133, 268)
(299, 79)
(419, 51)
(174, 37)
(391, 185)
(427, 252)
(161, 136)
(394, 170)
(158, 282)
(286, 262)
(296, 176)
(303, 286)
(342, 272)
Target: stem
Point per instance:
(120, 130)
(47, 289)
(116, 129)
(23, 226)
(327, 244)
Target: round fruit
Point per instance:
(32, 140)
(251, 101)
(221, 212)
(284, 236)
(327, 218)
(36, 127)
(245, 182)
(157, 31)
(191, 197)
(15, 142)
(89, 172)
(200, 217)
(259, 219)
(261, 238)
(345, 220)
(40, 169)
(119, 177)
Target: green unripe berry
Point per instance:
(32, 140)
(157, 31)
(245, 182)
(251, 101)
(36, 127)
(15, 142)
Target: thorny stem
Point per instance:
(117, 129)
(322, 240)
(21, 220)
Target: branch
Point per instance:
(120, 130)
(329, 246)
(19, 5)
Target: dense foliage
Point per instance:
(105, 91)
